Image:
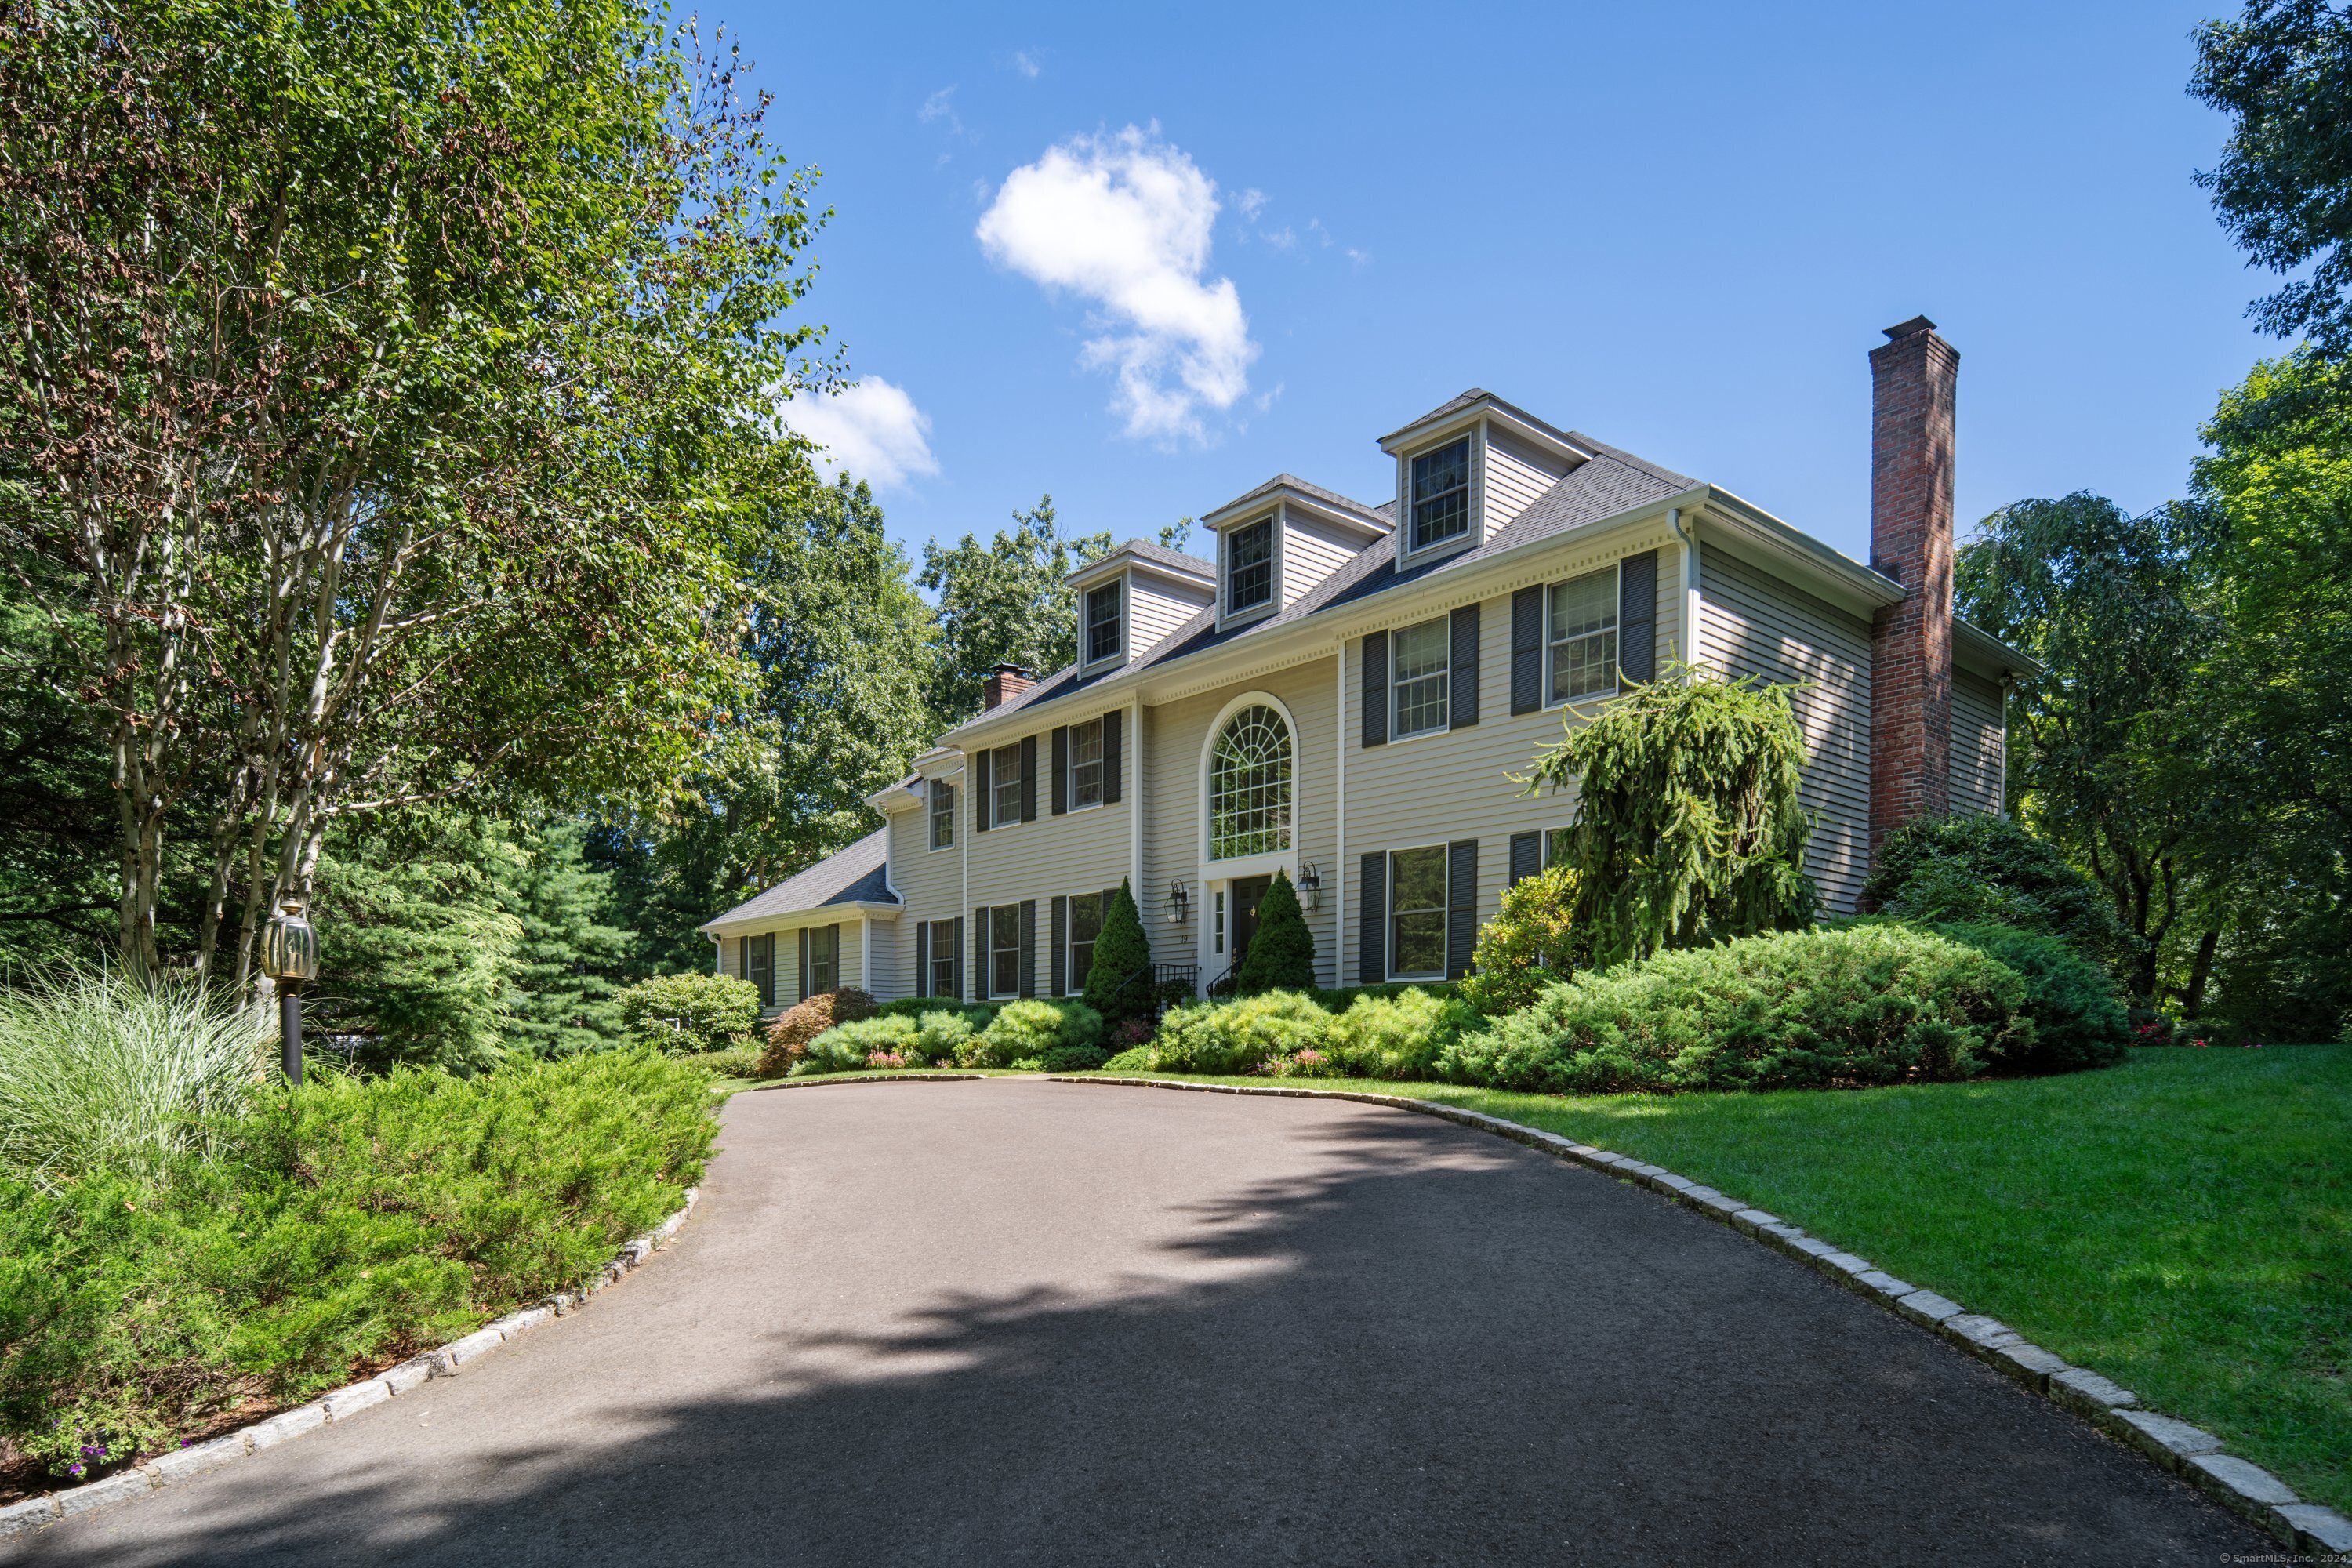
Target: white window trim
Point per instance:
(1475, 533)
(930, 834)
(1544, 862)
(995, 822)
(1617, 573)
(1070, 772)
(1265, 862)
(1396, 734)
(1387, 963)
(988, 991)
(1226, 615)
(1071, 984)
(1126, 602)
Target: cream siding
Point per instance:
(1456, 783)
(930, 883)
(880, 972)
(1079, 851)
(788, 951)
(1755, 623)
(1173, 830)
(1517, 473)
(1311, 551)
(1157, 606)
(1978, 744)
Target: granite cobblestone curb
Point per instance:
(2193, 1454)
(340, 1405)
(830, 1080)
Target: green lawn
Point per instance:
(2182, 1223)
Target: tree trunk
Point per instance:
(2200, 969)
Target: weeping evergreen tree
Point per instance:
(1687, 828)
(1119, 952)
(1281, 956)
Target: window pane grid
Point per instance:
(1008, 801)
(1102, 623)
(822, 960)
(1004, 949)
(1417, 880)
(1086, 763)
(1583, 636)
(1249, 566)
(1085, 925)
(1441, 493)
(1423, 662)
(943, 815)
(1249, 785)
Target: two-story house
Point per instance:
(1345, 691)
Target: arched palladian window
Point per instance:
(1249, 785)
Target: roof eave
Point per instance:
(729, 923)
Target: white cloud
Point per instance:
(941, 105)
(1025, 63)
(1125, 222)
(871, 430)
(1252, 202)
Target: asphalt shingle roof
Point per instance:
(855, 875)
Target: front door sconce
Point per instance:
(1310, 883)
(1180, 903)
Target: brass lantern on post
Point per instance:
(289, 956)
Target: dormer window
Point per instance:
(1249, 567)
(1441, 494)
(1105, 623)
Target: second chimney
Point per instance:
(1914, 377)
(1002, 684)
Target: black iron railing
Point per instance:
(1157, 987)
(1223, 987)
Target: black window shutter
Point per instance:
(1061, 769)
(922, 958)
(1372, 927)
(1376, 688)
(980, 955)
(1057, 964)
(1462, 701)
(1526, 650)
(1028, 947)
(1028, 778)
(1526, 855)
(1112, 722)
(955, 945)
(833, 941)
(1461, 906)
(743, 957)
(804, 974)
(983, 791)
(1637, 618)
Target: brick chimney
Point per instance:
(1004, 683)
(1914, 377)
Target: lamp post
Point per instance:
(289, 956)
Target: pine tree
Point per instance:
(1119, 952)
(563, 995)
(1281, 956)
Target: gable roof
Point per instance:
(1373, 517)
(853, 876)
(1612, 483)
(1151, 554)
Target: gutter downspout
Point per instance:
(1689, 630)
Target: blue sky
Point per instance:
(1146, 257)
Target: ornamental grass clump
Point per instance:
(1027, 1034)
(1868, 1004)
(1241, 1037)
(1398, 1036)
(99, 1072)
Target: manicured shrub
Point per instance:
(1237, 1037)
(1025, 1031)
(939, 1034)
(1338, 999)
(691, 1012)
(741, 1061)
(1281, 956)
(1867, 1004)
(1529, 944)
(1073, 1058)
(1135, 1058)
(1399, 1037)
(359, 1219)
(100, 1073)
(1688, 830)
(1305, 1062)
(1987, 871)
(1120, 951)
(980, 1013)
(789, 1036)
(2078, 1020)
(850, 1047)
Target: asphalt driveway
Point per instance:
(1016, 1321)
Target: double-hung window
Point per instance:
(1582, 637)
(1086, 926)
(1004, 951)
(1441, 494)
(1423, 661)
(1086, 763)
(1104, 624)
(947, 941)
(1417, 917)
(1249, 567)
(825, 959)
(943, 815)
(1004, 788)
(1556, 843)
